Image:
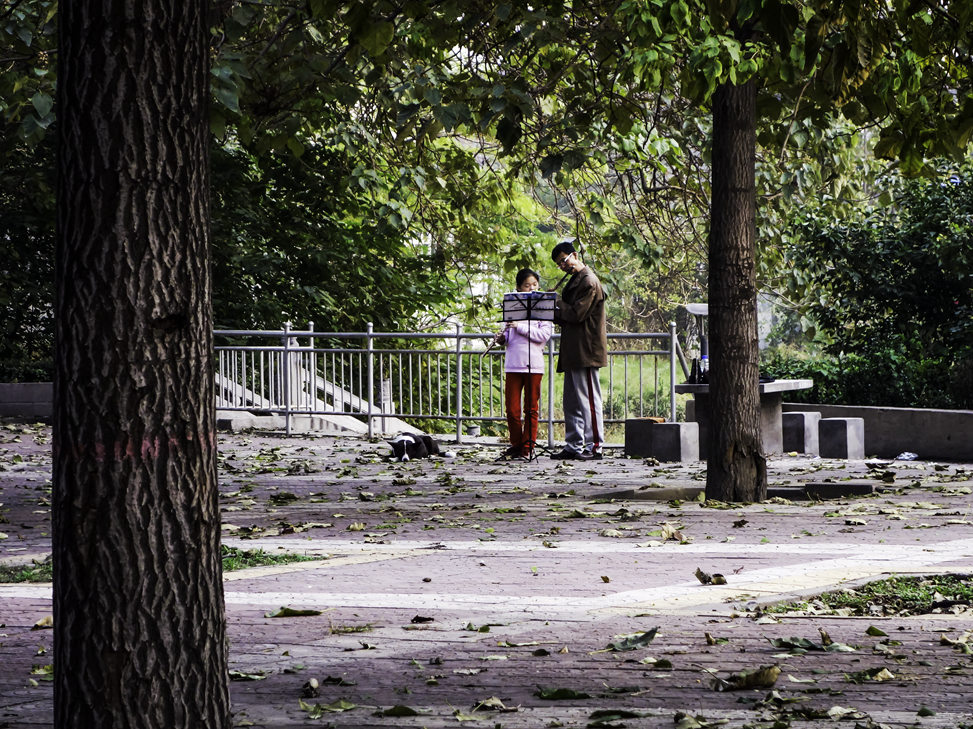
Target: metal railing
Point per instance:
(382, 376)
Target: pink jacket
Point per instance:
(525, 346)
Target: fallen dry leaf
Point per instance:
(289, 612)
(757, 678)
(46, 622)
(492, 704)
(631, 641)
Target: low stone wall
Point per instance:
(933, 435)
(27, 399)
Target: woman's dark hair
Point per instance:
(524, 274)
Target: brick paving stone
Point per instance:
(528, 572)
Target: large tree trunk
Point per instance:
(736, 467)
(139, 623)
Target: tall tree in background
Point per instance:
(736, 468)
(140, 635)
(901, 66)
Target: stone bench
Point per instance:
(771, 398)
(800, 432)
(666, 442)
(842, 438)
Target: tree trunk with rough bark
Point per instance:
(736, 467)
(139, 622)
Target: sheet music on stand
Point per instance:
(529, 306)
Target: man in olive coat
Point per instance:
(580, 312)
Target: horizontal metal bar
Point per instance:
(290, 379)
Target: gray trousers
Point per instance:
(584, 426)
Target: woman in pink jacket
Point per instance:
(524, 367)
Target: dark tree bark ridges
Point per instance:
(138, 599)
(736, 466)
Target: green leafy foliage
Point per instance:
(293, 243)
(28, 33)
(892, 298)
(27, 252)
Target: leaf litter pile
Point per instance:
(896, 596)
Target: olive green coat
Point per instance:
(580, 312)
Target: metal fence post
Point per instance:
(311, 378)
(287, 377)
(371, 380)
(672, 372)
(459, 383)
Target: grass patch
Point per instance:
(233, 559)
(899, 596)
(34, 572)
(241, 559)
(349, 629)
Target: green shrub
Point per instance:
(883, 378)
(20, 371)
(888, 297)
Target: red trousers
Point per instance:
(522, 416)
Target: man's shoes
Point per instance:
(510, 454)
(567, 455)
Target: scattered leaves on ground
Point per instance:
(316, 711)
(560, 694)
(757, 678)
(289, 612)
(247, 675)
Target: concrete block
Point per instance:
(936, 435)
(668, 442)
(800, 432)
(842, 437)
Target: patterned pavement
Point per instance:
(471, 591)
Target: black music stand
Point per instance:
(529, 306)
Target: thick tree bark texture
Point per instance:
(736, 467)
(140, 634)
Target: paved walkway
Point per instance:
(448, 584)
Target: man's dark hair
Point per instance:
(524, 274)
(565, 246)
